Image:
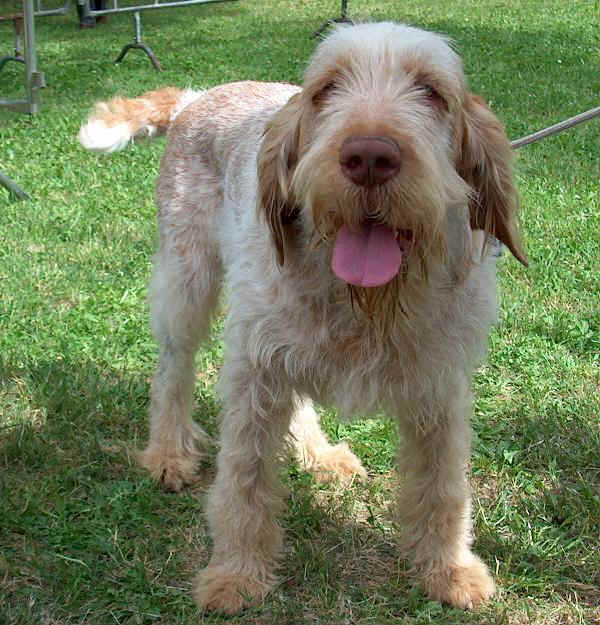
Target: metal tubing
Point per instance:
(33, 79)
(17, 56)
(344, 10)
(148, 7)
(30, 57)
(138, 27)
(5, 59)
(64, 10)
(343, 19)
(556, 128)
(5, 181)
(139, 45)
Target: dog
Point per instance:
(351, 221)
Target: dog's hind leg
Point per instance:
(315, 453)
(183, 296)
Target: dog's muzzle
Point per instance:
(372, 254)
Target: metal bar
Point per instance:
(5, 59)
(34, 80)
(30, 57)
(343, 19)
(17, 56)
(5, 181)
(139, 45)
(64, 10)
(344, 10)
(556, 128)
(19, 106)
(138, 27)
(147, 7)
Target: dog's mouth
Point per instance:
(370, 255)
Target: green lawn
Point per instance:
(86, 537)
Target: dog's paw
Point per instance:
(217, 589)
(463, 586)
(337, 462)
(172, 471)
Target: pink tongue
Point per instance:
(369, 257)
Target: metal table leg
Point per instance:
(17, 56)
(32, 77)
(342, 19)
(34, 80)
(139, 45)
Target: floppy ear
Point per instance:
(277, 158)
(485, 162)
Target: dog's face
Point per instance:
(380, 150)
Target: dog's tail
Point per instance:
(113, 124)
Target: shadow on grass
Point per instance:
(83, 526)
(82, 529)
(70, 408)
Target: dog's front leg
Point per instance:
(436, 506)
(246, 497)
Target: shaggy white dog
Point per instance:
(349, 221)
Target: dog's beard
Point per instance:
(421, 242)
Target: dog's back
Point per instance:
(212, 143)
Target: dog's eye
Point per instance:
(433, 96)
(321, 95)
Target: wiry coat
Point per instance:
(254, 193)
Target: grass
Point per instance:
(85, 537)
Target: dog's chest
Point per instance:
(330, 352)
(301, 324)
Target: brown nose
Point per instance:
(370, 161)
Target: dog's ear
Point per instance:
(277, 158)
(485, 162)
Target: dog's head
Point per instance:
(381, 149)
